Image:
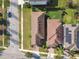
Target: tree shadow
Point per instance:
(14, 41)
(5, 32)
(41, 36)
(54, 9)
(12, 31)
(60, 33)
(4, 23)
(14, 16)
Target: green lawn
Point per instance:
(41, 49)
(6, 4)
(0, 40)
(19, 26)
(27, 28)
(1, 49)
(0, 3)
(54, 14)
(6, 41)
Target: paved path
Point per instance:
(13, 50)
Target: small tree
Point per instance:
(73, 3)
(27, 5)
(62, 3)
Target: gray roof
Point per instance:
(38, 2)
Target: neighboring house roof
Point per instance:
(52, 26)
(71, 36)
(38, 2)
(34, 25)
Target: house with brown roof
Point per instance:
(54, 32)
(37, 28)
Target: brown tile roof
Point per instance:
(34, 25)
(52, 25)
